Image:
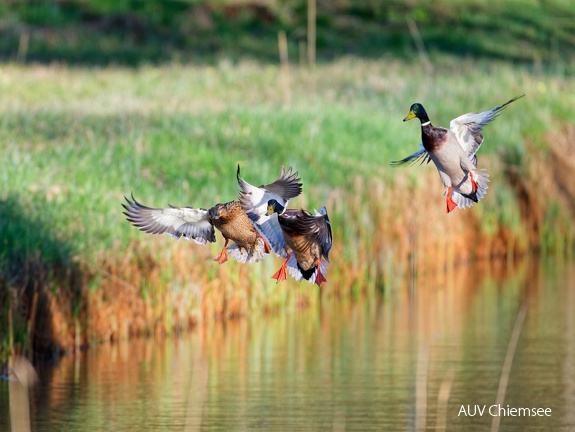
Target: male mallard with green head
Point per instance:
(453, 153)
(302, 238)
(308, 242)
(254, 200)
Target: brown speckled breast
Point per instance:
(234, 224)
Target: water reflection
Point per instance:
(405, 362)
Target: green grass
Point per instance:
(139, 32)
(75, 141)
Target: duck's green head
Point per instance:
(274, 207)
(418, 111)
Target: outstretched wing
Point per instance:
(270, 228)
(187, 222)
(287, 186)
(254, 201)
(420, 156)
(322, 229)
(467, 128)
(316, 228)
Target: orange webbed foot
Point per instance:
(267, 248)
(451, 205)
(473, 183)
(319, 278)
(281, 274)
(222, 257)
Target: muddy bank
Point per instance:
(382, 233)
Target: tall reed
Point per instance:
(76, 141)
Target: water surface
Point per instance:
(407, 361)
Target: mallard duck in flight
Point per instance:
(302, 238)
(453, 151)
(198, 224)
(254, 200)
(307, 240)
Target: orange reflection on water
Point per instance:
(368, 364)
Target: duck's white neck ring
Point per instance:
(426, 123)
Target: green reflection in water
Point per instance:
(404, 363)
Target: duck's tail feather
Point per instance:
(467, 200)
(309, 275)
(242, 255)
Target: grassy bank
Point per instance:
(135, 32)
(75, 141)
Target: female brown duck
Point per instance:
(198, 224)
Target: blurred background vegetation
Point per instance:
(101, 98)
(132, 32)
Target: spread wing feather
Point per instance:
(420, 156)
(467, 128)
(296, 272)
(315, 227)
(190, 223)
(255, 199)
(287, 186)
(270, 228)
(323, 231)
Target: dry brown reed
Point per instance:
(563, 156)
(421, 387)
(506, 370)
(24, 377)
(443, 399)
(384, 232)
